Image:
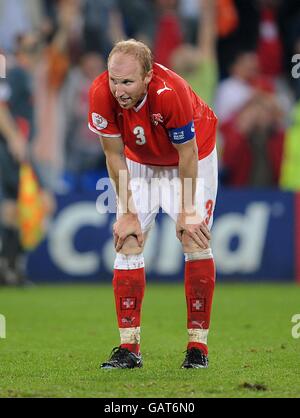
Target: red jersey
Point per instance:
(170, 113)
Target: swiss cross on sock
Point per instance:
(197, 305)
(128, 303)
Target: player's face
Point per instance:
(126, 80)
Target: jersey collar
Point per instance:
(136, 109)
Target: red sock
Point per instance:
(199, 290)
(129, 288)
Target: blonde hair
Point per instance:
(137, 49)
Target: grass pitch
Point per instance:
(57, 336)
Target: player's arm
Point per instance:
(206, 41)
(188, 220)
(178, 115)
(188, 170)
(128, 223)
(11, 133)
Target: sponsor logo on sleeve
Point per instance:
(99, 121)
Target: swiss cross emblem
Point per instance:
(197, 305)
(157, 118)
(128, 303)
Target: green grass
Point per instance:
(57, 336)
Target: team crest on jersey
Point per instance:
(157, 118)
(99, 121)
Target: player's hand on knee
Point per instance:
(194, 227)
(127, 225)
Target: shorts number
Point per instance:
(140, 134)
(209, 210)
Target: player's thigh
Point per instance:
(206, 194)
(206, 191)
(207, 187)
(145, 196)
(145, 193)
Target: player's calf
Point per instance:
(199, 290)
(129, 286)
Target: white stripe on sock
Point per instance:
(198, 335)
(200, 255)
(130, 335)
(129, 262)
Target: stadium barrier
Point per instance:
(256, 237)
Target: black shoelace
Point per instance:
(119, 353)
(194, 355)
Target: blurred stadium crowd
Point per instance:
(241, 65)
(236, 54)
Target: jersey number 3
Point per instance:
(140, 134)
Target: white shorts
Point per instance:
(155, 187)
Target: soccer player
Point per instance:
(154, 129)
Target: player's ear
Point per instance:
(148, 77)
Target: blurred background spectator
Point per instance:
(102, 23)
(196, 61)
(17, 18)
(17, 130)
(139, 19)
(236, 54)
(168, 34)
(84, 157)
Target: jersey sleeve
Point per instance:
(178, 114)
(101, 112)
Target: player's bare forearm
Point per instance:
(116, 165)
(118, 173)
(188, 171)
(188, 221)
(128, 223)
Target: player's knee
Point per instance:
(131, 247)
(190, 246)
